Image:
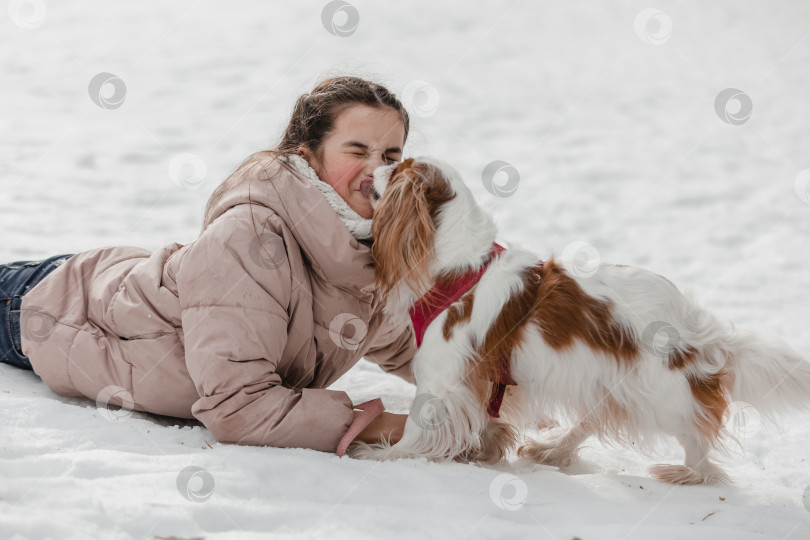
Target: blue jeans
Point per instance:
(16, 279)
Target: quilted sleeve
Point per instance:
(234, 287)
(394, 350)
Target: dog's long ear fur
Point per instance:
(404, 231)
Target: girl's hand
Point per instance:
(387, 425)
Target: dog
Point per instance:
(511, 342)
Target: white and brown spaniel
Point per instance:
(508, 342)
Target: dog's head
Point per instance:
(426, 222)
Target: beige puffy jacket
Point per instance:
(244, 328)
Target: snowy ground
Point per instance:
(612, 127)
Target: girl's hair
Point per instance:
(313, 119)
(314, 114)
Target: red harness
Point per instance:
(439, 298)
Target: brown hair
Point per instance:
(312, 120)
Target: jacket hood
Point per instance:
(333, 253)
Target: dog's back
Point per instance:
(649, 361)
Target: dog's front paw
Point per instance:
(361, 450)
(548, 453)
(706, 473)
(497, 440)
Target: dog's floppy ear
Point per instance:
(403, 166)
(403, 232)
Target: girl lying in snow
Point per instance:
(245, 327)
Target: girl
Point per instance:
(245, 327)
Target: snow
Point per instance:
(610, 124)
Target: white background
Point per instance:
(612, 128)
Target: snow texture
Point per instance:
(608, 114)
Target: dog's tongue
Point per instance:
(366, 187)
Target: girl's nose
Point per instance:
(374, 161)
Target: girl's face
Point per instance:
(362, 139)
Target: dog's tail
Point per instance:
(766, 373)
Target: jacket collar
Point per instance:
(333, 254)
(358, 226)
